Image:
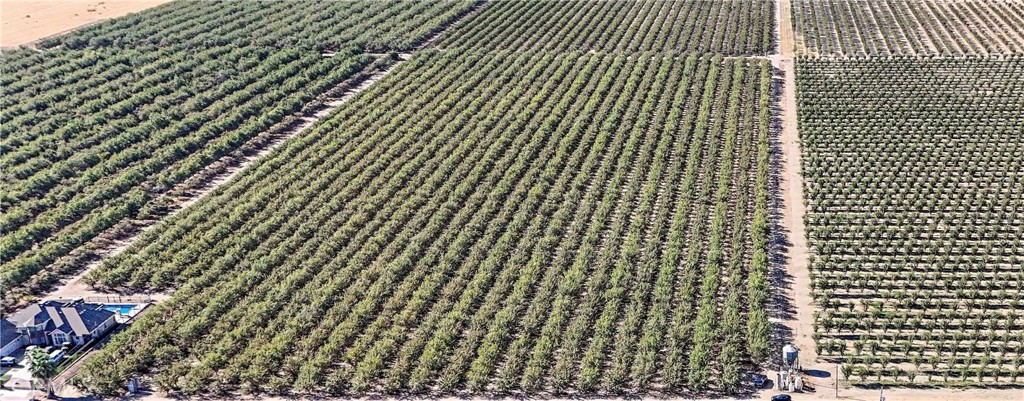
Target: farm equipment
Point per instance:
(789, 377)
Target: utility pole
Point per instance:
(837, 380)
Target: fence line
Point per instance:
(110, 299)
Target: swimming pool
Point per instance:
(125, 309)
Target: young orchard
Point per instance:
(915, 187)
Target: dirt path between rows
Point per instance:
(784, 25)
(792, 194)
(794, 305)
(795, 281)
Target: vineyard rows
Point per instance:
(90, 137)
(477, 221)
(732, 27)
(908, 27)
(915, 184)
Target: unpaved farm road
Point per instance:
(25, 21)
(800, 323)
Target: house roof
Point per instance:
(74, 316)
(8, 333)
(54, 315)
(29, 316)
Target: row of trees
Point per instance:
(908, 27)
(92, 137)
(893, 375)
(919, 258)
(377, 26)
(68, 200)
(476, 222)
(728, 27)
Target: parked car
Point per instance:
(56, 356)
(782, 397)
(8, 361)
(759, 381)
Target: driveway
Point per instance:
(21, 378)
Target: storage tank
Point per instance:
(790, 353)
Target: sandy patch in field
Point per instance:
(25, 21)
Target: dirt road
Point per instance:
(787, 41)
(795, 284)
(25, 21)
(791, 188)
(798, 293)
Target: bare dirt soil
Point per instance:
(787, 41)
(25, 21)
(798, 293)
(795, 284)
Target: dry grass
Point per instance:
(25, 21)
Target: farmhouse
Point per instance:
(55, 323)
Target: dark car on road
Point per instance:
(782, 397)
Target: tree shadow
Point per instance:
(781, 306)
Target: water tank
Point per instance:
(790, 354)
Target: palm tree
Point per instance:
(42, 369)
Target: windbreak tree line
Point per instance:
(104, 120)
(915, 181)
(477, 222)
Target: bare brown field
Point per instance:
(25, 21)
